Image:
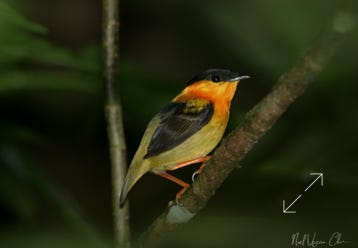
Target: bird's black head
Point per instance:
(216, 76)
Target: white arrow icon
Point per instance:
(320, 175)
(285, 210)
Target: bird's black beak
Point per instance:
(238, 78)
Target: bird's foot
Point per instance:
(198, 171)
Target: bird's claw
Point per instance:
(199, 171)
(194, 175)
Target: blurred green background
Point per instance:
(55, 188)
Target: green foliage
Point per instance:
(10, 19)
(29, 62)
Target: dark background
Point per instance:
(55, 184)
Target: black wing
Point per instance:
(178, 121)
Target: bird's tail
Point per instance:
(136, 170)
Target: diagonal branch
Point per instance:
(114, 119)
(256, 123)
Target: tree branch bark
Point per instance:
(256, 123)
(114, 119)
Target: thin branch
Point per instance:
(256, 123)
(113, 112)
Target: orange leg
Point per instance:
(181, 165)
(175, 180)
(186, 163)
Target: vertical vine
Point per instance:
(114, 118)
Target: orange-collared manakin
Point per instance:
(186, 129)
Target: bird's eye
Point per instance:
(215, 78)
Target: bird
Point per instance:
(186, 130)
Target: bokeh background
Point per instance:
(55, 188)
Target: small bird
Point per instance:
(186, 130)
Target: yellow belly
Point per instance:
(198, 145)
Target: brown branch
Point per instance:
(113, 112)
(256, 123)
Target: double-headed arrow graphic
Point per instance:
(285, 210)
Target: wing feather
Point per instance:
(178, 121)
